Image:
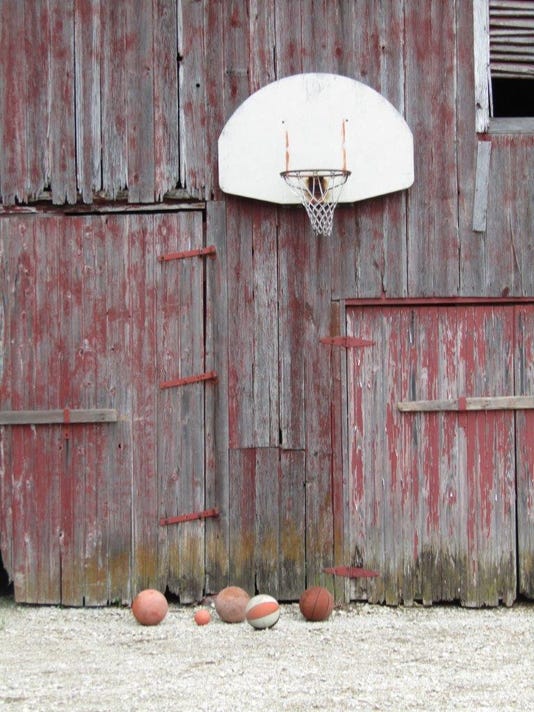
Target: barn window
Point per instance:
(504, 65)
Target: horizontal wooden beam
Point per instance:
(466, 404)
(61, 417)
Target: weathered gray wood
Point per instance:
(511, 125)
(468, 404)
(216, 427)
(87, 63)
(524, 420)
(432, 264)
(41, 417)
(482, 177)
(180, 411)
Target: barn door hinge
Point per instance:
(209, 376)
(346, 342)
(351, 572)
(209, 251)
(190, 517)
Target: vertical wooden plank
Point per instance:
(145, 384)
(193, 42)
(262, 39)
(339, 429)
(87, 43)
(117, 373)
(166, 128)
(524, 380)
(13, 158)
(242, 518)
(490, 463)
(363, 513)
(267, 534)
(432, 210)
(292, 264)
(217, 428)
(264, 329)
(292, 570)
(6, 490)
(140, 107)
(25, 545)
(114, 82)
(180, 411)
(48, 440)
(288, 34)
(452, 527)
(37, 58)
(241, 323)
(72, 536)
(314, 312)
(61, 128)
(212, 112)
(95, 438)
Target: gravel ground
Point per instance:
(363, 658)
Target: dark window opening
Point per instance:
(513, 97)
(6, 586)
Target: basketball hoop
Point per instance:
(319, 191)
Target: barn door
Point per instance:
(100, 321)
(435, 482)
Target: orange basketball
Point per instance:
(202, 617)
(316, 603)
(231, 603)
(150, 607)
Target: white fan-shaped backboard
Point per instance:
(315, 121)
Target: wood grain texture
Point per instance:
(433, 494)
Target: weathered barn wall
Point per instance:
(124, 102)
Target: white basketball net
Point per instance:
(319, 191)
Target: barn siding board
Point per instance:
(115, 372)
(61, 133)
(166, 125)
(262, 22)
(195, 39)
(267, 534)
(240, 325)
(180, 411)
(217, 427)
(87, 62)
(432, 215)
(524, 380)
(114, 82)
(265, 328)
(292, 493)
(292, 262)
(242, 518)
(140, 69)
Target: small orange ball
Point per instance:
(316, 603)
(231, 603)
(149, 607)
(202, 617)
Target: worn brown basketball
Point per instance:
(316, 603)
(149, 607)
(231, 603)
